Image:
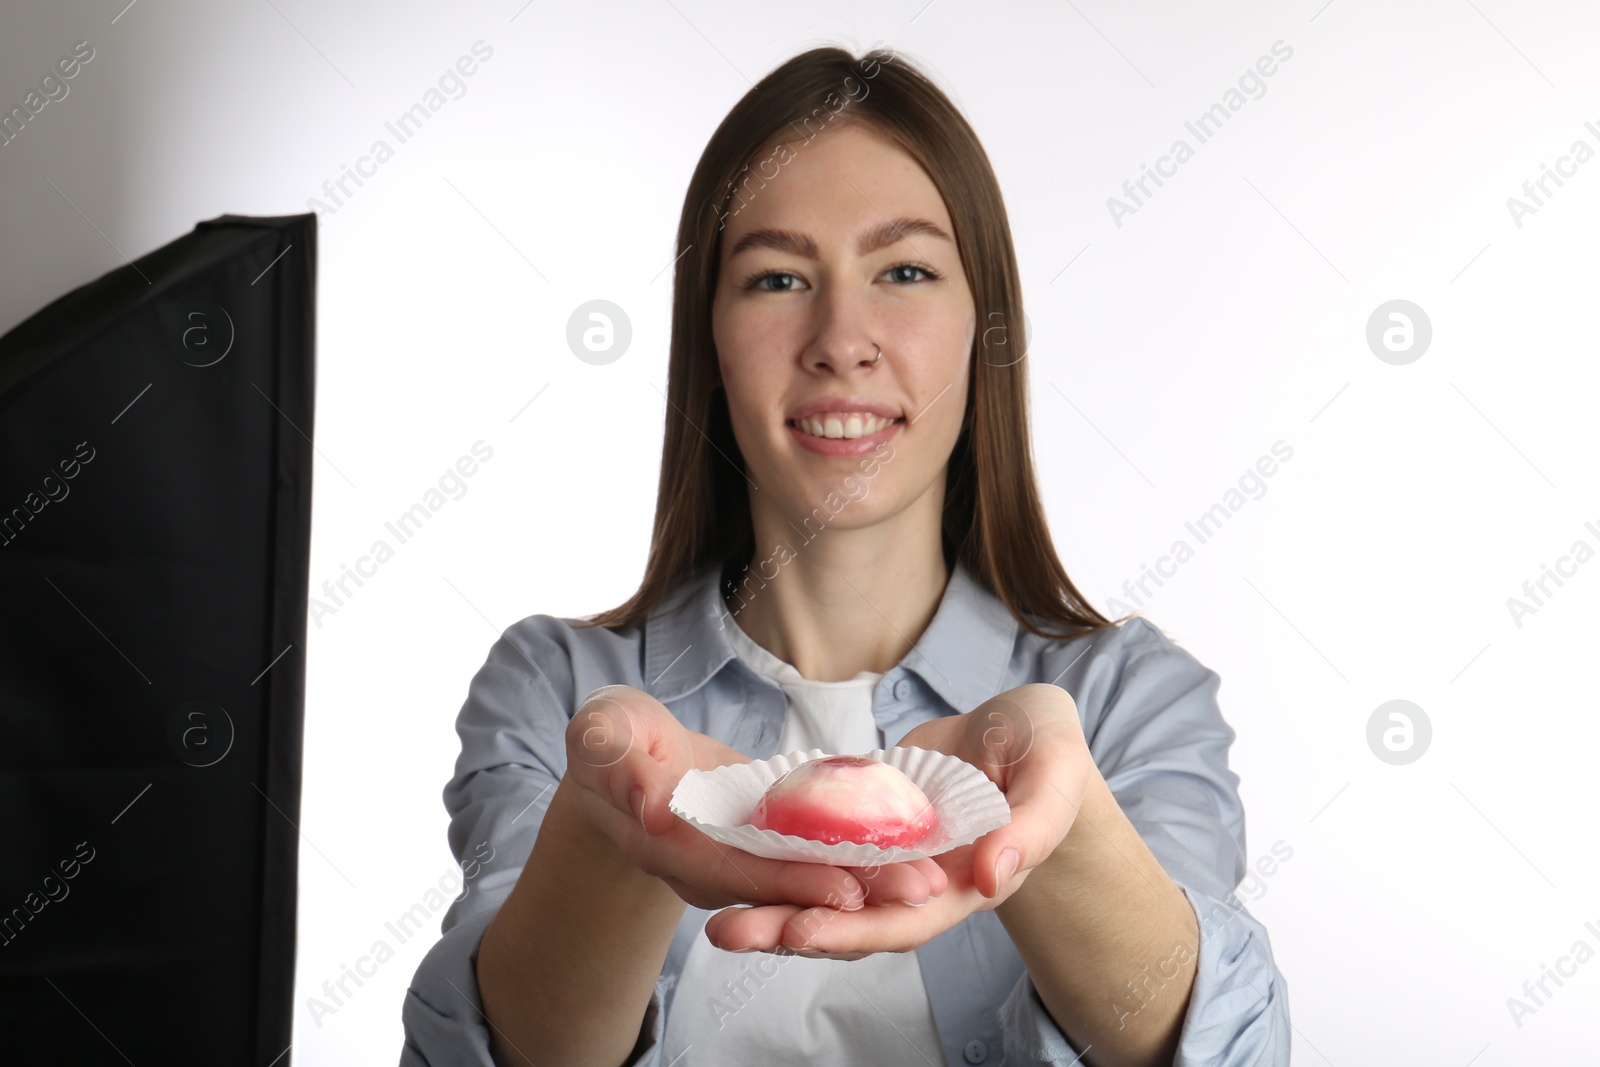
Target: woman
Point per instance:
(819, 574)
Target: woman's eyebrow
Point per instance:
(870, 241)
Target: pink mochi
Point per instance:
(847, 798)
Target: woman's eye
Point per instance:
(912, 266)
(755, 283)
(758, 281)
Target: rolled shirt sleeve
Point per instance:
(513, 753)
(443, 1023)
(1157, 734)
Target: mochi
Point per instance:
(847, 798)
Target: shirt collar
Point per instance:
(963, 655)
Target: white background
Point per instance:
(1227, 314)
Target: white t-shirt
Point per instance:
(758, 1008)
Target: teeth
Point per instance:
(848, 424)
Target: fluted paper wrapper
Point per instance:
(720, 802)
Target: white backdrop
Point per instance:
(1172, 347)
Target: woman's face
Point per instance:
(800, 303)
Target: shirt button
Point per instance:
(902, 691)
(976, 1052)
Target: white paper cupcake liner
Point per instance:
(720, 802)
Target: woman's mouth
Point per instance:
(844, 433)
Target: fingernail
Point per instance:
(1007, 866)
(636, 798)
(910, 903)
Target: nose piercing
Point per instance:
(879, 355)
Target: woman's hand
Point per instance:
(1030, 743)
(625, 755)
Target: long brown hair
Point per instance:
(993, 521)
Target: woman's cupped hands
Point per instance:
(626, 752)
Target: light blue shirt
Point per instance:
(1150, 714)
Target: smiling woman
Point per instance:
(831, 318)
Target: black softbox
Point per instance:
(155, 518)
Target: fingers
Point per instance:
(697, 895)
(827, 931)
(938, 881)
(1044, 792)
(1000, 732)
(738, 876)
(1029, 740)
(912, 882)
(750, 929)
(1001, 856)
(626, 746)
(886, 929)
(790, 925)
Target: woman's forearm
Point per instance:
(1108, 938)
(567, 966)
